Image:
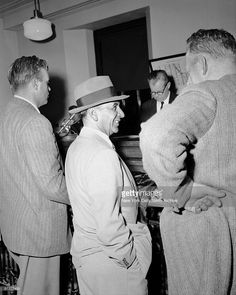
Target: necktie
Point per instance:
(162, 103)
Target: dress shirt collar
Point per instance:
(166, 101)
(89, 130)
(25, 99)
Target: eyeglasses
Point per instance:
(155, 93)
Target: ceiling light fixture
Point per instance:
(37, 28)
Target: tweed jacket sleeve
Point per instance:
(104, 182)
(167, 138)
(42, 156)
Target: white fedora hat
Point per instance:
(95, 91)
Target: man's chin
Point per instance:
(43, 103)
(159, 100)
(115, 129)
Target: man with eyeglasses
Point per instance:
(159, 84)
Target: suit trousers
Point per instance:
(99, 275)
(38, 275)
(200, 251)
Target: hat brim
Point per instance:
(105, 100)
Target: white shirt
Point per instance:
(25, 99)
(166, 101)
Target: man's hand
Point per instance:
(203, 197)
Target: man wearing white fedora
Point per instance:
(110, 250)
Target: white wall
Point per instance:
(170, 23)
(8, 52)
(79, 58)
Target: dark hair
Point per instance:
(24, 69)
(217, 43)
(158, 75)
(72, 107)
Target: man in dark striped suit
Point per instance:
(33, 195)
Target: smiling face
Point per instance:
(109, 116)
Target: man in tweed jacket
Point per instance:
(192, 142)
(33, 213)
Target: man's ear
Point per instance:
(35, 83)
(92, 112)
(168, 85)
(204, 64)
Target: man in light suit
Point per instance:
(111, 251)
(191, 145)
(33, 213)
(161, 93)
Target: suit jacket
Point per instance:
(149, 107)
(95, 179)
(33, 213)
(194, 140)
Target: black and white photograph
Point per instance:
(117, 147)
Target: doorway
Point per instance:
(122, 53)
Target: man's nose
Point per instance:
(120, 112)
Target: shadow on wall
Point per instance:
(54, 110)
(173, 88)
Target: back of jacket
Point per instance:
(33, 213)
(194, 138)
(214, 154)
